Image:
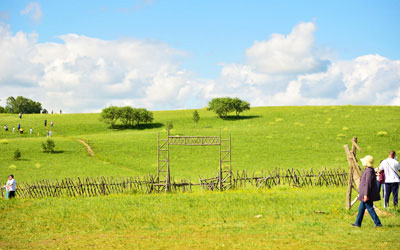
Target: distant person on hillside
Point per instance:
(13, 130)
(20, 115)
(48, 134)
(52, 112)
(5, 127)
(19, 126)
(60, 111)
(391, 168)
(31, 131)
(7, 187)
(45, 123)
(368, 193)
(380, 180)
(10, 187)
(21, 130)
(52, 124)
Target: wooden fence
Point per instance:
(291, 177)
(109, 185)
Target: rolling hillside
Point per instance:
(263, 138)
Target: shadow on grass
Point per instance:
(58, 152)
(55, 152)
(244, 117)
(138, 127)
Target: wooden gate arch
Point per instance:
(163, 157)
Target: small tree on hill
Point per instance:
(196, 116)
(222, 106)
(17, 154)
(240, 106)
(128, 116)
(49, 146)
(110, 115)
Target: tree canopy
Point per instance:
(22, 105)
(222, 106)
(127, 115)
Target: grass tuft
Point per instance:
(382, 133)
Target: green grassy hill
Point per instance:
(282, 217)
(264, 138)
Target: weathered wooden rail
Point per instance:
(89, 187)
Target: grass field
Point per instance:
(265, 138)
(281, 217)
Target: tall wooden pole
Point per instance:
(168, 181)
(221, 185)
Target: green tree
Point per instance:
(49, 146)
(196, 116)
(143, 116)
(222, 106)
(240, 106)
(17, 154)
(22, 105)
(127, 115)
(110, 115)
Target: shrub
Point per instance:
(49, 146)
(196, 116)
(169, 125)
(382, 133)
(17, 154)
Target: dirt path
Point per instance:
(89, 149)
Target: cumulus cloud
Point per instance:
(290, 70)
(85, 74)
(34, 11)
(289, 54)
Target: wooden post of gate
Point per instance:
(355, 172)
(221, 185)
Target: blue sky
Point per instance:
(209, 38)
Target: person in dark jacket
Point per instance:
(368, 193)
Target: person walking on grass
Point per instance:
(391, 167)
(10, 187)
(20, 115)
(368, 193)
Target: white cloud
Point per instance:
(84, 74)
(289, 54)
(34, 11)
(290, 70)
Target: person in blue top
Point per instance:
(368, 193)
